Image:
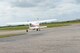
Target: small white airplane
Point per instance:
(34, 25)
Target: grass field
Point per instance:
(59, 24)
(10, 35)
(49, 25)
(14, 28)
(22, 27)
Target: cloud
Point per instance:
(24, 3)
(23, 10)
(4, 12)
(77, 1)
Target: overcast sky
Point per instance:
(26, 10)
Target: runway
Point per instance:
(53, 40)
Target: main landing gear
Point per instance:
(26, 30)
(35, 29)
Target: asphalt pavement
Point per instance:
(54, 40)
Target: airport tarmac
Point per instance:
(54, 40)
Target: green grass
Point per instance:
(55, 25)
(10, 35)
(59, 24)
(49, 25)
(14, 28)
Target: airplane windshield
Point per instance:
(31, 25)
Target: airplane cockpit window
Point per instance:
(31, 25)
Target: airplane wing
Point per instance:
(27, 23)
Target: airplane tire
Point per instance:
(36, 29)
(26, 30)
